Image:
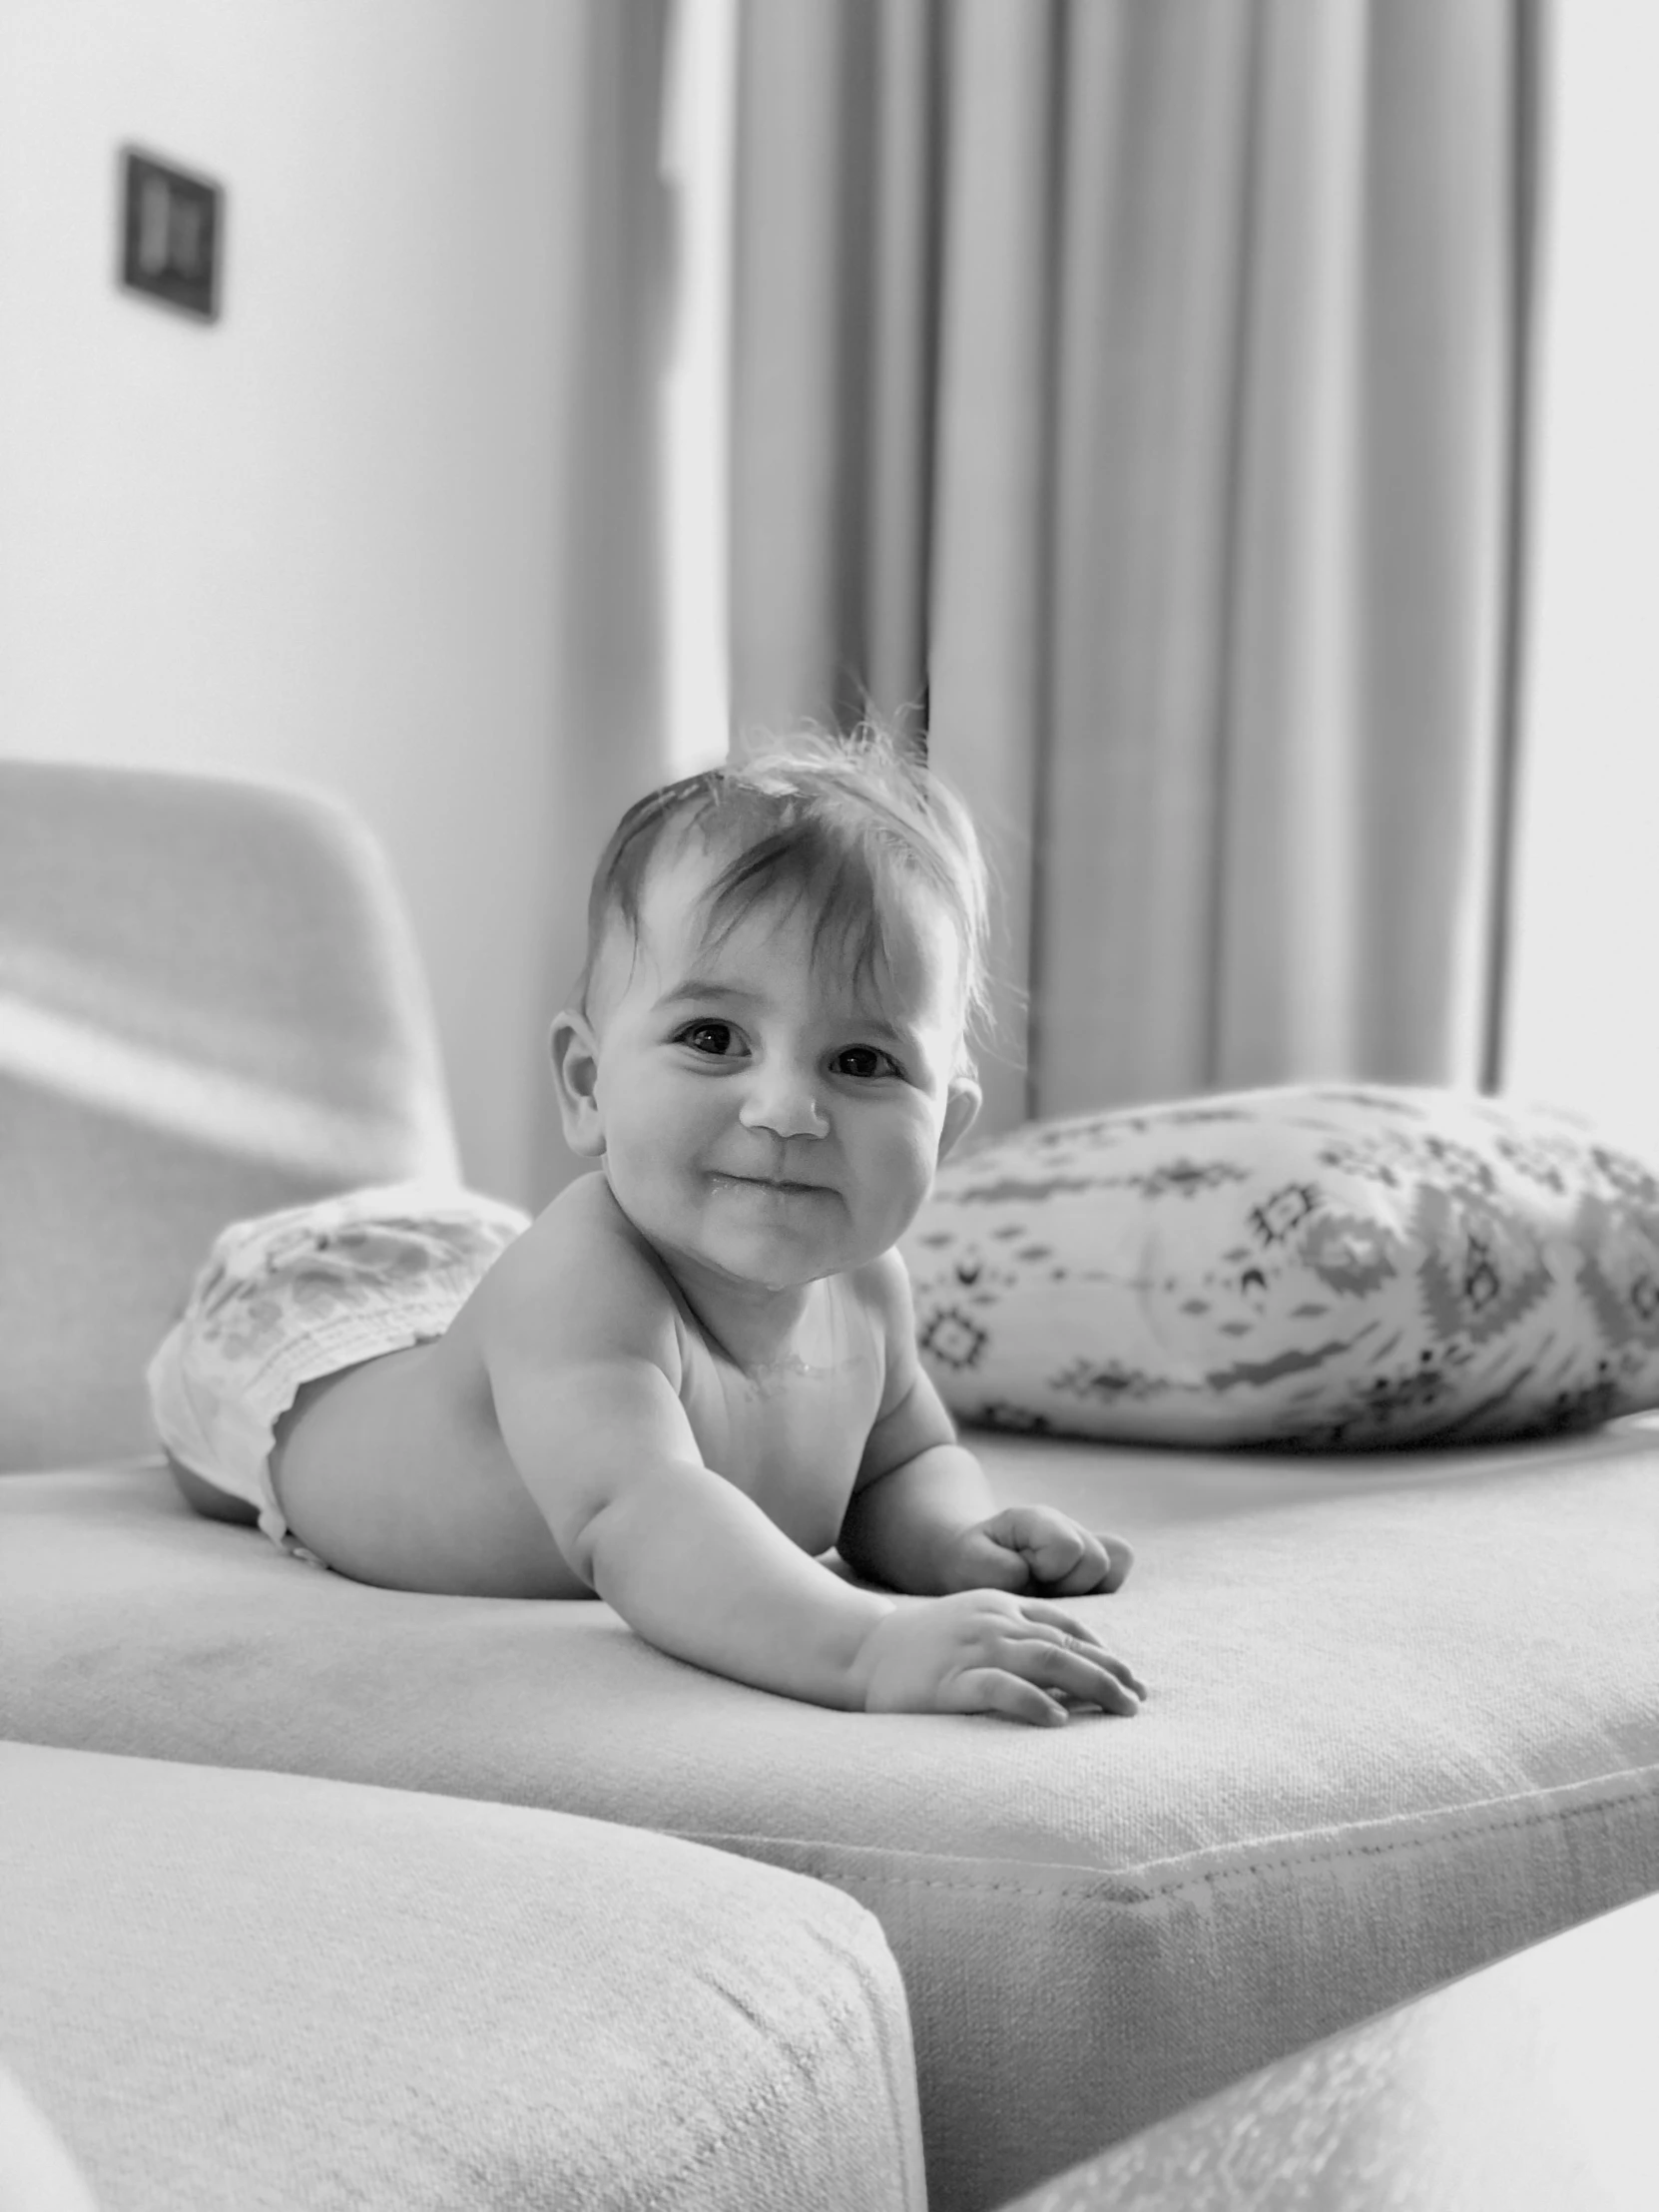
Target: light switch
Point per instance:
(173, 226)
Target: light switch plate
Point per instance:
(172, 234)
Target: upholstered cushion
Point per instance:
(1403, 1718)
(258, 1990)
(1315, 1266)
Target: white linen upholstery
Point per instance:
(1403, 1718)
(268, 1991)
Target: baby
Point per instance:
(696, 1372)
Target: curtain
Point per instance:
(1126, 395)
(614, 243)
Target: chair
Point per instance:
(171, 1062)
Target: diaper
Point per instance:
(294, 1296)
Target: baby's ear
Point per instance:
(575, 1055)
(961, 1107)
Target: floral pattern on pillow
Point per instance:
(1326, 1267)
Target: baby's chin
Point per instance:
(758, 1239)
(759, 1265)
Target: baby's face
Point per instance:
(765, 1119)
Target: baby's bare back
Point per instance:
(396, 1472)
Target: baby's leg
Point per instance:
(394, 1472)
(210, 1500)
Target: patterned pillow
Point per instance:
(1325, 1267)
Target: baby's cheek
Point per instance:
(910, 1171)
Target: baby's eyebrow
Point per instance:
(699, 989)
(887, 1033)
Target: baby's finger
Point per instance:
(994, 1690)
(1088, 1571)
(1046, 1617)
(1060, 1667)
(992, 1566)
(1125, 1674)
(1120, 1557)
(1055, 1616)
(1053, 1548)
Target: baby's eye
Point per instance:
(866, 1062)
(712, 1037)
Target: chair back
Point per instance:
(211, 1004)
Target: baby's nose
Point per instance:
(784, 1100)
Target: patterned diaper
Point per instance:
(294, 1296)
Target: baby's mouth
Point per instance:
(785, 1185)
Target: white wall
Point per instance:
(1582, 1027)
(317, 540)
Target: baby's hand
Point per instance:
(981, 1651)
(1036, 1547)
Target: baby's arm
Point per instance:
(921, 1516)
(580, 1376)
(602, 1442)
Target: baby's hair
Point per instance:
(841, 825)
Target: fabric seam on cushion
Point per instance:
(767, 2092)
(1111, 1890)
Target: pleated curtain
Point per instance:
(614, 240)
(1128, 395)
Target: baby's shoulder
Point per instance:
(580, 1285)
(880, 1290)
